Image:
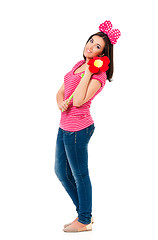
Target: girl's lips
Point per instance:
(88, 50)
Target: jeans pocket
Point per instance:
(68, 133)
(90, 130)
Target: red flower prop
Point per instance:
(99, 63)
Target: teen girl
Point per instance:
(77, 126)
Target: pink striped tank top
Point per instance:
(78, 118)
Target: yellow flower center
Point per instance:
(98, 63)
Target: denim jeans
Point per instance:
(71, 168)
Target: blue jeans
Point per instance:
(71, 168)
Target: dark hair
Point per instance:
(107, 51)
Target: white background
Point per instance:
(40, 41)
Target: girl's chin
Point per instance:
(88, 55)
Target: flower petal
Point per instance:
(93, 69)
(91, 61)
(104, 68)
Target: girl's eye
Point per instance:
(91, 40)
(98, 46)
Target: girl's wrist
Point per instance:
(88, 73)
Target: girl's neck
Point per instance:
(87, 60)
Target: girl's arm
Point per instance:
(93, 87)
(62, 105)
(81, 90)
(60, 95)
(85, 89)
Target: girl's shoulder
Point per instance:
(101, 76)
(78, 64)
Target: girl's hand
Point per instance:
(63, 105)
(87, 72)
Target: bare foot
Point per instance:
(77, 224)
(75, 220)
(66, 225)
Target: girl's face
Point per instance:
(94, 47)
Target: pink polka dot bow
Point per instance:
(113, 34)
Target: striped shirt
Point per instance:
(78, 118)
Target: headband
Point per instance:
(113, 34)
